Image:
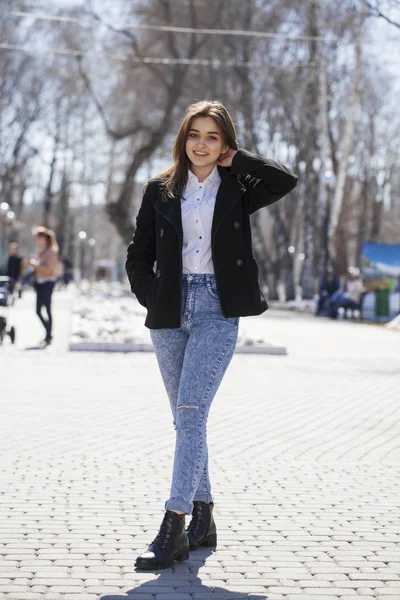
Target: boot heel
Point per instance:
(211, 540)
(183, 554)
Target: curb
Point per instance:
(130, 347)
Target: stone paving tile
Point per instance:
(304, 461)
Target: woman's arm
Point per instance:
(141, 253)
(265, 179)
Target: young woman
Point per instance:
(194, 223)
(44, 266)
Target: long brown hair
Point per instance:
(176, 176)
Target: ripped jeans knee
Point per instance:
(187, 417)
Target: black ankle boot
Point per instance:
(202, 530)
(171, 543)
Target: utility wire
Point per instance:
(209, 62)
(214, 62)
(238, 32)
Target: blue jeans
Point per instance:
(337, 300)
(193, 359)
(44, 293)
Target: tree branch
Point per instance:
(376, 12)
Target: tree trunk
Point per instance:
(284, 263)
(119, 212)
(63, 215)
(261, 253)
(347, 143)
(362, 217)
(284, 258)
(48, 198)
(311, 151)
(326, 173)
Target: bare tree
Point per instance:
(148, 133)
(347, 142)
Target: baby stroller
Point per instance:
(6, 299)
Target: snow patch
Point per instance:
(111, 318)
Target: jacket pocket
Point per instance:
(149, 295)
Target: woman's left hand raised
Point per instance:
(225, 159)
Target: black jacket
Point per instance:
(14, 264)
(251, 183)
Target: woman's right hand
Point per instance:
(225, 159)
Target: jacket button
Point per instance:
(161, 232)
(158, 273)
(236, 224)
(239, 262)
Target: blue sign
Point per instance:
(380, 260)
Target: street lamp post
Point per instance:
(6, 215)
(92, 244)
(82, 236)
(297, 268)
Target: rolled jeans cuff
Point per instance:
(203, 498)
(178, 503)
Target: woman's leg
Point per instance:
(208, 352)
(169, 347)
(40, 303)
(49, 287)
(171, 542)
(203, 491)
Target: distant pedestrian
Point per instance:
(350, 298)
(14, 265)
(45, 267)
(329, 285)
(194, 222)
(68, 268)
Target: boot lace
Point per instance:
(164, 532)
(196, 519)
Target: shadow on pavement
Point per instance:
(35, 348)
(174, 582)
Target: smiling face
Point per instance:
(204, 143)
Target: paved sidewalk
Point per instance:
(304, 461)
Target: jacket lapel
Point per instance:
(171, 210)
(229, 192)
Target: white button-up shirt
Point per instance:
(197, 205)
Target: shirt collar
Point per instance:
(214, 177)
